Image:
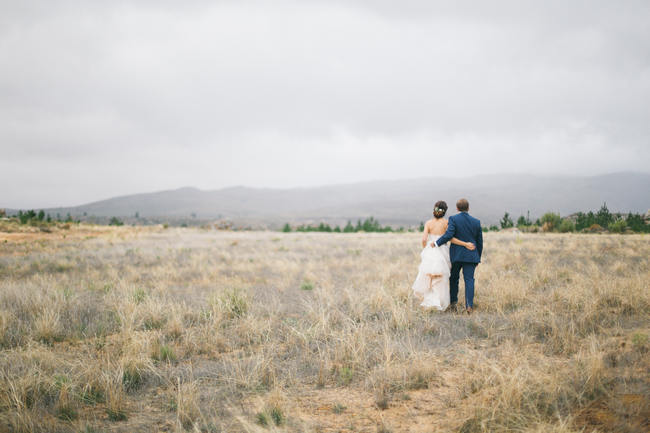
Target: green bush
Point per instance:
(617, 226)
(551, 221)
(567, 226)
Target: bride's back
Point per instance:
(437, 226)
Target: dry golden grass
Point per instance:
(145, 329)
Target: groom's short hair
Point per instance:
(462, 205)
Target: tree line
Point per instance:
(589, 222)
(368, 225)
(41, 218)
(26, 217)
(585, 222)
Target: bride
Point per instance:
(432, 283)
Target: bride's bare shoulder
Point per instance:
(442, 222)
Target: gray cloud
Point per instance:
(106, 98)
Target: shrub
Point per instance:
(286, 228)
(566, 226)
(114, 221)
(594, 228)
(617, 226)
(550, 221)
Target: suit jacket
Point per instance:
(468, 229)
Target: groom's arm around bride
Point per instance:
(466, 228)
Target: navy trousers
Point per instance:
(468, 276)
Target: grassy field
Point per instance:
(128, 329)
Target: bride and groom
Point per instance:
(439, 271)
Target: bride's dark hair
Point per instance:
(439, 209)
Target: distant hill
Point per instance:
(402, 202)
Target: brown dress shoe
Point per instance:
(469, 310)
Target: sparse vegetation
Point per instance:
(117, 328)
(115, 221)
(307, 285)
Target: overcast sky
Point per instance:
(106, 98)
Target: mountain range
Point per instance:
(396, 202)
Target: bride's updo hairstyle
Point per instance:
(439, 209)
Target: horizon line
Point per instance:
(331, 185)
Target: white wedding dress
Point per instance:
(434, 261)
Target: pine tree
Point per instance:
(521, 221)
(506, 222)
(603, 217)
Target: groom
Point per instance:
(468, 229)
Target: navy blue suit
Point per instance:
(468, 229)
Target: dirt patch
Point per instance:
(619, 413)
(341, 409)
